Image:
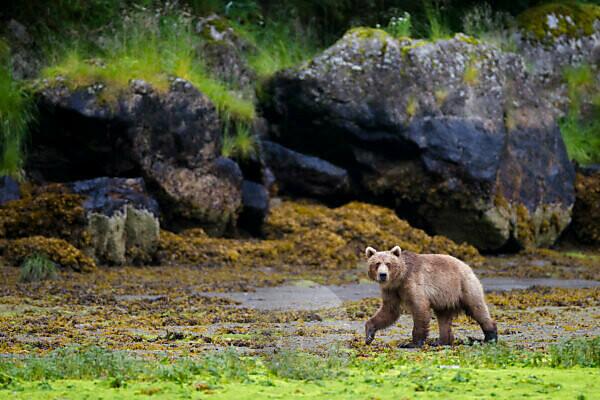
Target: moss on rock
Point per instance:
(552, 20)
(61, 252)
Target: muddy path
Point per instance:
(187, 310)
(307, 296)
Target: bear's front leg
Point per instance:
(387, 314)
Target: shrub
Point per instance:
(37, 267)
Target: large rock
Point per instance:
(303, 175)
(172, 139)
(451, 133)
(255, 199)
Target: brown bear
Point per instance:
(421, 282)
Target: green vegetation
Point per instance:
(400, 27)
(495, 27)
(581, 133)
(16, 114)
(475, 372)
(37, 267)
(279, 45)
(438, 23)
(241, 144)
(149, 46)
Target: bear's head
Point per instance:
(385, 267)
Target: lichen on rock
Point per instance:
(129, 235)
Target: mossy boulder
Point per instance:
(586, 213)
(553, 20)
(307, 235)
(555, 36)
(172, 139)
(60, 251)
(437, 130)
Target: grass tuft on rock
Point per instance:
(37, 267)
(148, 46)
(279, 45)
(240, 144)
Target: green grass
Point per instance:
(148, 46)
(480, 371)
(37, 268)
(240, 144)
(279, 45)
(438, 24)
(16, 116)
(582, 133)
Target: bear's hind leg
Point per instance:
(445, 326)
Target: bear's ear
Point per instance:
(396, 251)
(370, 252)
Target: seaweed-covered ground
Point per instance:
(163, 315)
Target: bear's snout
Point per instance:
(382, 273)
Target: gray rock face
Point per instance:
(171, 139)
(9, 190)
(122, 219)
(296, 173)
(25, 57)
(451, 133)
(223, 52)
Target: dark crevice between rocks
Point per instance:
(66, 146)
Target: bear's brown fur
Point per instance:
(420, 283)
